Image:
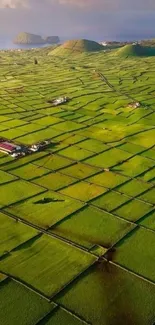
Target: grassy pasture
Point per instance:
(92, 226)
(21, 306)
(108, 179)
(148, 221)
(98, 250)
(108, 158)
(104, 289)
(149, 196)
(80, 171)
(93, 145)
(55, 181)
(14, 123)
(134, 166)
(54, 270)
(133, 210)
(6, 177)
(70, 138)
(29, 171)
(48, 120)
(68, 126)
(149, 153)
(96, 129)
(110, 201)
(45, 215)
(134, 187)
(18, 191)
(12, 133)
(133, 253)
(13, 233)
(2, 277)
(83, 191)
(132, 148)
(31, 127)
(54, 162)
(63, 317)
(23, 161)
(148, 176)
(37, 136)
(145, 139)
(76, 153)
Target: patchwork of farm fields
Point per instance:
(77, 220)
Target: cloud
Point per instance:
(79, 3)
(111, 4)
(14, 4)
(103, 5)
(93, 19)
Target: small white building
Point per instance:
(60, 100)
(34, 148)
(134, 105)
(104, 43)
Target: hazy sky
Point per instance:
(98, 19)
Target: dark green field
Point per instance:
(77, 219)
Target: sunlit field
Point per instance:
(77, 219)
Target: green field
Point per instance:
(112, 293)
(13, 233)
(93, 226)
(77, 219)
(47, 272)
(19, 305)
(83, 191)
(6, 177)
(29, 171)
(133, 210)
(133, 253)
(110, 201)
(55, 181)
(46, 215)
(148, 221)
(18, 191)
(63, 317)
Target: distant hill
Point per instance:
(27, 38)
(149, 42)
(135, 50)
(77, 47)
(52, 40)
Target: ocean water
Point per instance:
(7, 44)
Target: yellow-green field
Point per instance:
(77, 220)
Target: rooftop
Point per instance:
(7, 146)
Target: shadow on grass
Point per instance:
(110, 289)
(48, 200)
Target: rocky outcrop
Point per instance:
(27, 38)
(52, 40)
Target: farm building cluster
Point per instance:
(16, 151)
(58, 101)
(134, 105)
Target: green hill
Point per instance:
(135, 50)
(77, 47)
(27, 38)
